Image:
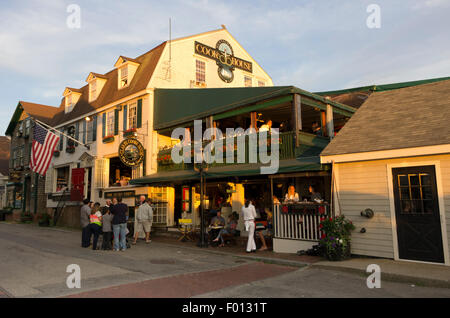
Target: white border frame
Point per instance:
(437, 166)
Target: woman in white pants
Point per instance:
(249, 215)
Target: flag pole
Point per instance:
(60, 132)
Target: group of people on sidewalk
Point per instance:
(112, 222)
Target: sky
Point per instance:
(315, 45)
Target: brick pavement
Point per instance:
(188, 285)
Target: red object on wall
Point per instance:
(77, 192)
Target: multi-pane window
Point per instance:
(124, 76)
(110, 123)
(247, 81)
(62, 178)
(93, 88)
(261, 84)
(27, 127)
(416, 193)
(132, 115)
(18, 157)
(200, 71)
(69, 103)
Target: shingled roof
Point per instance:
(111, 92)
(408, 117)
(40, 112)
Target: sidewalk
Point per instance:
(419, 274)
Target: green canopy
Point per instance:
(214, 172)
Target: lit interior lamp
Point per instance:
(88, 118)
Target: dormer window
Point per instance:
(126, 68)
(93, 90)
(69, 104)
(123, 76)
(96, 83)
(71, 97)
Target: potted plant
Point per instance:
(108, 139)
(56, 153)
(70, 149)
(44, 219)
(26, 217)
(335, 239)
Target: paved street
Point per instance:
(34, 261)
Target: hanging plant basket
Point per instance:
(56, 153)
(70, 149)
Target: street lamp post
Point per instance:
(201, 168)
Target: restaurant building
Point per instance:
(112, 118)
(228, 183)
(391, 165)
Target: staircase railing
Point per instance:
(60, 207)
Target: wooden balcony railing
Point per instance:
(299, 221)
(286, 150)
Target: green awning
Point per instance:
(214, 172)
(165, 177)
(179, 106)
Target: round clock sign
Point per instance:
(131, 152)
(225, 66)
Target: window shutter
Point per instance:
(137, 172)
(116, 121)
(84, 131)
(103, 125)
(139, 113)
(124, 117)
(49, 180)
(94, 128)
(101, 167)
(61, 140)
(77, 133)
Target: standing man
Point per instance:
(85, 213)
(144, 217)
(119, 222)
(107, 206)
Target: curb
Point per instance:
(398, 278)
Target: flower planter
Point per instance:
(56, 153)
(129, 132)
(70, 149)
(108, 139)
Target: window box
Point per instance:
(56, 153)
(70, 149)
(129, 132)
(108, 139)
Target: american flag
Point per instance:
(44, 143)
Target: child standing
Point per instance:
(107, 230)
